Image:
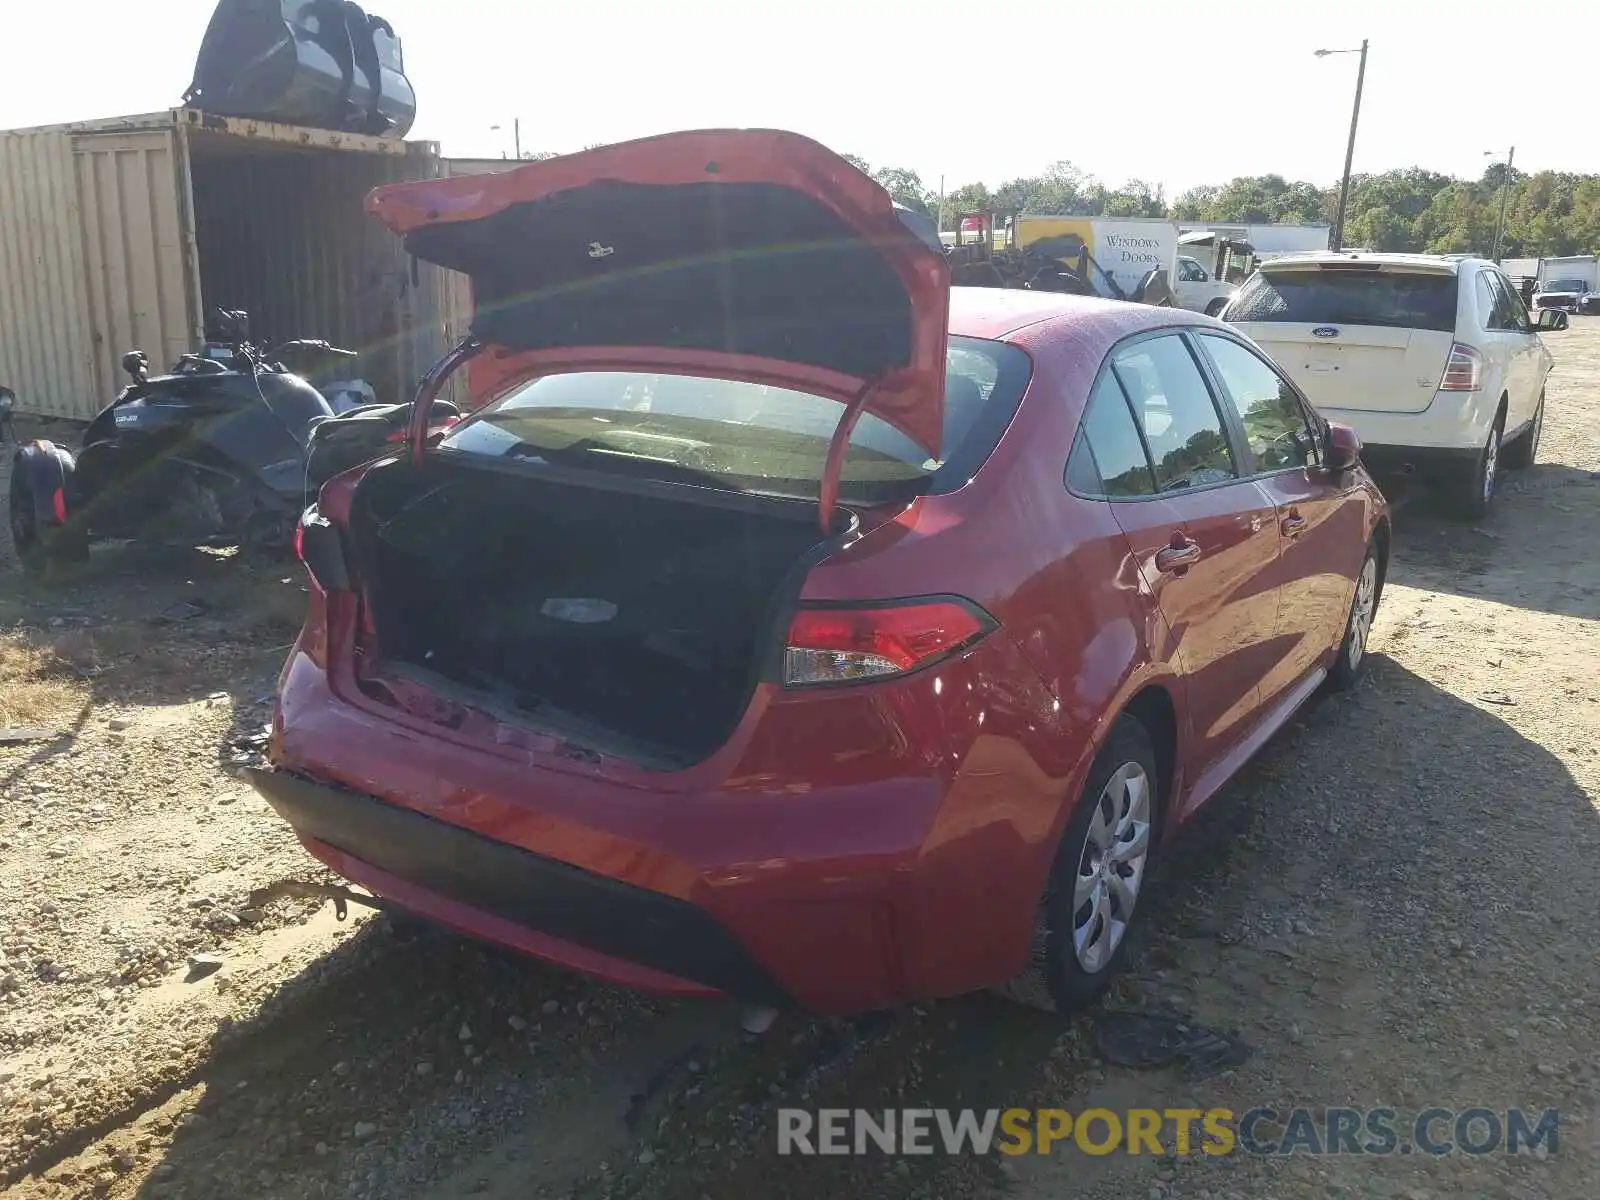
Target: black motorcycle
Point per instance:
(229, 446)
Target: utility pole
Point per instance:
(1349, 154)
(1505, 194)
(1350, 147)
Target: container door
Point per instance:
(45, 350)
(138, 248)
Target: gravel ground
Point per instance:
(1395, 906)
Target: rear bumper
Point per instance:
(477, 884)
(825, 860)
(1389, 461)
(1454, 421)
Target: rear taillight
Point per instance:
(1464, 371)
(844, 645)
(318, 546)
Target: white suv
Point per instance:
(1433, 360)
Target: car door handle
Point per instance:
(1178, 557)
(1293, 525)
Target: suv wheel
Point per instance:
(1472, 496)
(1521, 453)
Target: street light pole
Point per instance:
(516, 136)
(1505, 194)
(1350, 147)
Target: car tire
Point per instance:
(1085, 918)
(1351, 659)
(1520, 453)
(1471, 496)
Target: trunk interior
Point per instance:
(635, 621)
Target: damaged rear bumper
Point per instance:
(506, 894)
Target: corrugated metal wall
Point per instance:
(115, 233)
(134, 248)
(46, 347)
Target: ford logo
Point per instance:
(1324, 331)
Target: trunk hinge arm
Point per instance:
(838, 447)
(428, 389)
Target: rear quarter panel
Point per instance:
(1057, 573)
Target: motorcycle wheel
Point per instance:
(36, 545)
(25, 539)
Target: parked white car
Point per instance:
(1432, 359)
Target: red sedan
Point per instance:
(786, 625)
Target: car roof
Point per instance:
(1449, 262)
(1004, 314)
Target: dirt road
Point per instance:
(1396, 907)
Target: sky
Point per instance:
(1176, 94)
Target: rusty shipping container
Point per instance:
(122, 234)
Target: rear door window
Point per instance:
(1508, 314)
(1486, 301)
(1275, 425)
(1109, 457)
(1519, 309)
(1173, 407)
(1348, 296)
(748, 436)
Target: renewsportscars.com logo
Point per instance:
(1215, 1131)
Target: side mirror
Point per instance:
(137, 364)
(1550, 320)
(1344, 447)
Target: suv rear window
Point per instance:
(748, 436)
(1347, 296)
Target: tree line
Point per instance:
(1548, 213)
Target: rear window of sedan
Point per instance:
(1349, 296)
(749, 436)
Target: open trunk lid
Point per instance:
(1371, 337)
(754, 255)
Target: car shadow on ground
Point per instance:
(1497, 559)
(1360, 801)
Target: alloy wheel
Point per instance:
(1491, 463)
(1361, 612)
(1111, 867)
